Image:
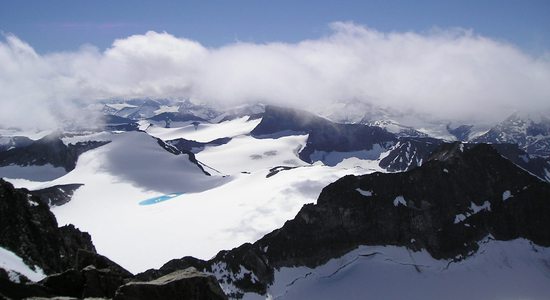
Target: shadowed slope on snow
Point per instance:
(142, 160)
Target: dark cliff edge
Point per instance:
(30, 230)
(48, 150)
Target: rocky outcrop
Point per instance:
(12, 142)
(537, 165)
(30, 230)
(88, 258)
(48, 150)
(101, 282)
(169, 117)
(398, 129)
(100, 279)
(113, 122)
(194, 146)
(57, 194)
(529, 133)
(461, 133)
(182, 284)
(324, 135)
(275, 170)
(68, 284)
(409, 153)
(176, 151)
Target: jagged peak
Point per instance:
(447, 151)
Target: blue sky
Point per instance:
(64, 25)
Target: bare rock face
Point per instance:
(29, 229)
(530, 133)
(182, 284)
(69, 283)
(93, 276)
(48, 150)
(56, 195)
(409, 153)
(412, 152)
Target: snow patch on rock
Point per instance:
(363, 192)
(399, 200)
(15, 267)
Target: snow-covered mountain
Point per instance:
(531, 133)
(138, 108)
(327, 141)
(176, 179)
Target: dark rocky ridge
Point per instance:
(181, 284)
(537, 165)
(461, 180)
(324, 135)
(57, 194)
(401, 130)
(116, 120)
(409, 153)
(48, 150)
(7, 143)
(93, 275)
(30, 230)
(461, 133)
(194, 146)
(169, 117)
(113, 122)
(191, 156)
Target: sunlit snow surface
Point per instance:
(205, 132)
(499, 270)
(237, 204)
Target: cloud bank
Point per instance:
(451, 74)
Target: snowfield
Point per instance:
(239, 203)
(514, 269)
(205, 132)
(247, 154)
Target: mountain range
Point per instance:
(306, 204)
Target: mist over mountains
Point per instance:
(451, 74)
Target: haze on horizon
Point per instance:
(450, 73)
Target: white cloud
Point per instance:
(452, 74)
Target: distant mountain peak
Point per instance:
(530, 131)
